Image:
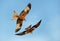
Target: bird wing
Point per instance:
(26, 10)
(35, 26)
(22, 33)
(18, 24)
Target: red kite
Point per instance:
(20, 18)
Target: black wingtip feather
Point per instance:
(17, 30)
(29, 5)
(40, 21)
(18, 34)
(35, 26)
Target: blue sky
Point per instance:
(47, 10)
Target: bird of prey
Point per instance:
(20, 18)
(29, 29)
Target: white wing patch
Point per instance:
(18, 26)
(26, 9)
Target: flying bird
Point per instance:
(29, 29)
(20, 18)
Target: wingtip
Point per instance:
(18, 34)
(29, 5)
(17, 30)
(41, 20)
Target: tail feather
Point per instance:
(15, 15)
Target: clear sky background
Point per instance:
(47, 10)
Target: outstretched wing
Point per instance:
(19, 24)
(35, 26)
(25, 32)
(22, 33)
(26, 10)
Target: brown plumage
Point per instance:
(20, 18)
(30, 29)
